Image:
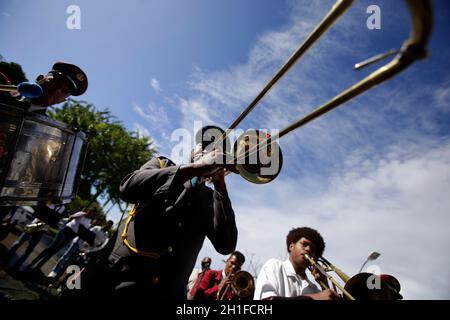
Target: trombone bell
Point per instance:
(258, 159)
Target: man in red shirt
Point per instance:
(215, 285)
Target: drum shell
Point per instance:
(39, 158)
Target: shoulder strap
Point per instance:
(163, 162)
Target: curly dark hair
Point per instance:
(311, 234)
(239, 256)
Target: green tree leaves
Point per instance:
(112, 151)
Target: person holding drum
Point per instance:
(63, 81)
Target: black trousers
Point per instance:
(127, 278)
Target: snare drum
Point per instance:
(39, 158)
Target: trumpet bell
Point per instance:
(243, 285)
(258, 159)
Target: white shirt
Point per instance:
(278, 278)
(78, 219)
(57, 207)
(100, 238)
(192, 279)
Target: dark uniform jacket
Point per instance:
(172, 219)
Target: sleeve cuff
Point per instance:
(171, 174)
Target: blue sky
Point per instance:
(371, 175)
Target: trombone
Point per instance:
(324, 266)
(256, 142)
(360, 286)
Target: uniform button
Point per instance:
(180, 224)
(169, 249)
(155, 280)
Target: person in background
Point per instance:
(79, 246)
(287, 280)
(64, 236)
(33, 233)
(215, 285)
(197, 276)
(174, 212)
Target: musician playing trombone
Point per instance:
(287, 279)
(174, 211)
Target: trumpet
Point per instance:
(261, 145)
(242, 284)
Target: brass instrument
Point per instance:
(357, 287)
(324, 268)
(35, 227)
(261, 145)
(242, 284)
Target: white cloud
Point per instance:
(370, 176)
(154, 115)
(369, 122)
(154, 83)
(227, 92)
(141, 130)
(194, 109)
(397, 205)
(442, 96)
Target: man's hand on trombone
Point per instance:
(326, 293)
(319, 277)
